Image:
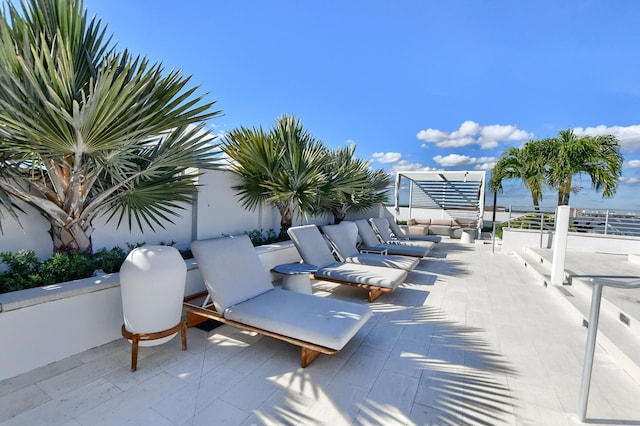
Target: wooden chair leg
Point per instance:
(308, 355)
(374, 293)
(134, 352)
(183, 333)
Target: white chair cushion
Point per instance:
(344, 238)
(322, 321)
(366, 233)
(388, 261)
(362, 274)
(231, 269)
(370, 240)
(311, 245)
(381, 226)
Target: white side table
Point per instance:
(468, 235)
(296, 276)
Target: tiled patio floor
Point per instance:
(472, 338)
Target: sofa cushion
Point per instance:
(443, 222)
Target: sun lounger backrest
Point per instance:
(366, 233)
(343, 239)
(381, 226)
(231, 269)
(311, 245)
(397, 231)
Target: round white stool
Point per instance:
(468, 235)
(296, 276)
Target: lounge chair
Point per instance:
(344, 240)
(314, 250)
(371, 242)
(399, 234)
(381, 227)
(243, 296)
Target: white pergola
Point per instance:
(456, 194)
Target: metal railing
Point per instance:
(582, 220)
(606, 222)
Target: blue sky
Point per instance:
(416, 84)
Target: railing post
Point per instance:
(606, 222)
(560, 244)
(587, 366)
(541, 228)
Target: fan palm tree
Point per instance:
(597, 156)
(526, 163)
(282, 167)
(87, 130)
(367, 189)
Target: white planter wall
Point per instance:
(517, 239)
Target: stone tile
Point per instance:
(77, 377)
(337, 404)
(392, 393)
(23, 399)
(219, 412)
(149, 417)
(363, 367)
(9, 386)
(383, 336)
(127, 405)
(63, 409)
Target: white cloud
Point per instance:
(470, 133)
(629, 136)
(386, 157)
(630, 180)
(485, 163)
(632, 163)
(404, 165)
(485, 166)
(453, 160)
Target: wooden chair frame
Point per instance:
(197, 314)
(136, 338)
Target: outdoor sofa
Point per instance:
(445, 227)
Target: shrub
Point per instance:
(109, 260)
(25, 270)
(260, 237)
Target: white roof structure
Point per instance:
(459, 194)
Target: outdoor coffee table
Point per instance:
(296, 276)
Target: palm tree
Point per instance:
(366, 189)
(282, 167)
(597, 156)
(86, 130)
(526, 163)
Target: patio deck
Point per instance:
(471, 338)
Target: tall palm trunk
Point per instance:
(536, 203)
(72, 238)
(564, 191)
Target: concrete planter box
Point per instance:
(517, 239)
(47, 324)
